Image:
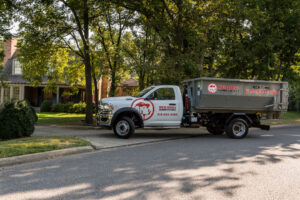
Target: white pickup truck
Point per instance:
(221, 105)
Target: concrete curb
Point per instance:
(4, 162)
(70, 126)
(284, 125)
(99, 147)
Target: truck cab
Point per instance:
(154, 107)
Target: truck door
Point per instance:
(166, 108)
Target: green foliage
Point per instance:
(6, 12)
(109, 32)
(69, 107)
(59, 107)
(46, 106)
(168, 41)
(79, 107)
(52, 28)
(17, 119)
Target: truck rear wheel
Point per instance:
(237, 128)
(124, 127)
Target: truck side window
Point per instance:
(162, 94)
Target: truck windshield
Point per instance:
(143, 92)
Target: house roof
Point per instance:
(11, 78)
(18, 79)
(131, 82)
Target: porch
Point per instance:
(36, 95)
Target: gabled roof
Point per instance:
(131, 82)
(15, 79)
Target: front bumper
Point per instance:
(104, 118)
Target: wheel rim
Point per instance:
(239, 129)
(122, 127)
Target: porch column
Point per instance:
(21, 92)
(11, 93)
(100, 88)
(57, 95)
(2, 95)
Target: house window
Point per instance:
(16, 93)
(6, 94)
(17, 70)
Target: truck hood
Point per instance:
(118, 99)
(118, 102)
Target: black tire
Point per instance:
(124, 127)
(215, 131)
(237, 128)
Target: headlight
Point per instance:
(106, 107)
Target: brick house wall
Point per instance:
(10, 47)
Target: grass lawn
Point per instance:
(30, 145)
(60, 118)
(290, 115)
(286, 118)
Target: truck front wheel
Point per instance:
(124, 127)
(237, 128)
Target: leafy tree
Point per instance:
(142, 52)
(109, 31)
(42, 60)
(6, 11)
(65, 24)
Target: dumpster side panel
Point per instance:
(220, 95)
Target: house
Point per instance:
(127, 87)
(18, 88)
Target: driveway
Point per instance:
(103, 138)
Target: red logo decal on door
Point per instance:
(145, 108)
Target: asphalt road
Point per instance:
(265, 165)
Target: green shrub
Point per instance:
(57, 107)
(68, 108)
(46, 106)
(17, 119)
(79, 107)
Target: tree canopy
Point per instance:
(160, 41)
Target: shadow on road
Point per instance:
(158, 170)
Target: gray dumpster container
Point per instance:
(237, 95)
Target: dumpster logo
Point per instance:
(212, 88)
(145, 108)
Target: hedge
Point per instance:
(46, 106)
(68, 108)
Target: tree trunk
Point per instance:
(96, 92)
(113, 84)
(141, 80)
(87, 63)
(89, 96)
